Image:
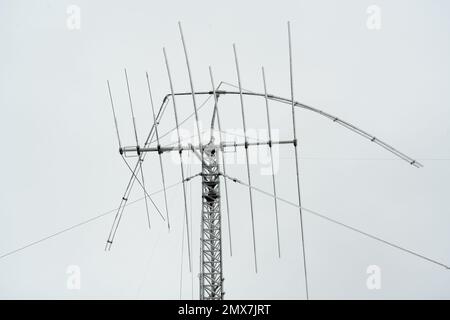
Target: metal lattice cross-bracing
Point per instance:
(211, 277)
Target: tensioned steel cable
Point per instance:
(237, 181)
(183, 140)
(81, 223)
(391, 244)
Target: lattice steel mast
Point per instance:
(211, 274)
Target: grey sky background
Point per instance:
(60, 163)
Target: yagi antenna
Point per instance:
(213, 167)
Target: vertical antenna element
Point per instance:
(271, 161)
(114, 115)
(159, 150)
(296, 159)
(132, 111)
(246, 155)
(137, 148)
(181, 157)
(216, 112)
(192, 89)
(145, 193)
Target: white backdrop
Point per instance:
(60, 164)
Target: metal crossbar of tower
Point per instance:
(211, 241)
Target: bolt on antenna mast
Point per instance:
(211, 244)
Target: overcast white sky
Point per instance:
(60, 164)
